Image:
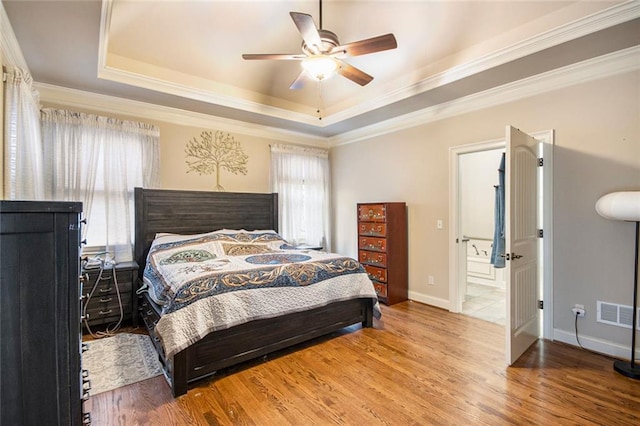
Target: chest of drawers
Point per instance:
(41, 377)
(382, 248)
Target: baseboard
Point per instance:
(429, 300)
(605, 347)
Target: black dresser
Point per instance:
(40, 332)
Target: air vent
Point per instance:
(614, 314)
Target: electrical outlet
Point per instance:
(578, 310)
(439, 224)
(430, 280)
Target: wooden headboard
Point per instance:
(194, 212)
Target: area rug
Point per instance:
(120, 360)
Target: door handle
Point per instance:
(511, 256)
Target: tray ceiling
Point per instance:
(187, 54)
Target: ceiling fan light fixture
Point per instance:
(320, 67)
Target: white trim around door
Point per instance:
(547, 141)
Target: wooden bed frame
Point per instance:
(192, 212)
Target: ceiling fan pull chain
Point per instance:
(320, 100)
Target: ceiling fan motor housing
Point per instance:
(329, 41)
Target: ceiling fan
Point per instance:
(322, 54)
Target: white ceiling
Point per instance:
(187, 54)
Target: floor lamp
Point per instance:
(625, 206)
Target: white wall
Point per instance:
(597, 151)
(478, 175)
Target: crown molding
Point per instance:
(607, 65)
(615, 63)
(119, 106)
(196, 93)
(11, 52)
(609, 17)
(203, 95)
(620, 62)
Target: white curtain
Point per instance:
(301, 178)
(99, 161)
(23, 175)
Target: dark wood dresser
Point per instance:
(114, 289)
(40, 332)
(382, 248)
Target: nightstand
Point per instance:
(104, 307)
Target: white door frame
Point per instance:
(547, 138)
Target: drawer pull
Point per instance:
(106, 299)
(105, 290)
(106, 312)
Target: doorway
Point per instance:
(458, 249)
(482, 289)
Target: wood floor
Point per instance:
(420, 365)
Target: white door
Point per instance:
(521, 243)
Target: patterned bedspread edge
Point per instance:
(184, 327)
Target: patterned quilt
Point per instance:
(216, 280)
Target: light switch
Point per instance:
(439, 224)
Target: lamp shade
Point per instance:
(320, 67)
(624, 205)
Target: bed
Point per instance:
(169, 212)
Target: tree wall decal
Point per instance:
(212, 152)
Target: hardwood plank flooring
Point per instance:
(419, 365)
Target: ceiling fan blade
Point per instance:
(353, 73)
(298, 83)
(307, 29)
(280, 56)
(370, 45)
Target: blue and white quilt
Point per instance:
(213, 281)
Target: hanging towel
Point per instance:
(497, 249)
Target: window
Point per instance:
(300, 176)
(99, 161)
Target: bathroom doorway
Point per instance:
(482, 288)
(458, 250)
